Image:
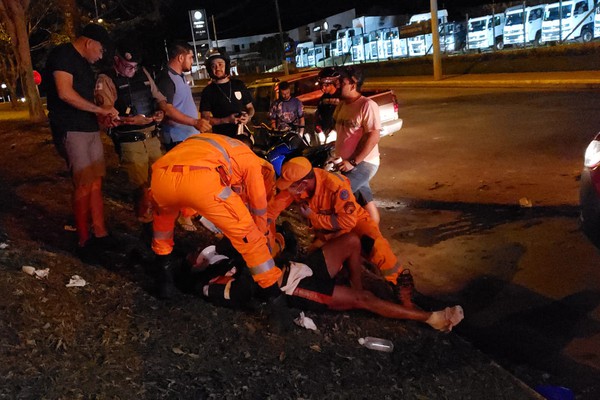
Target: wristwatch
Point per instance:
(352, 161)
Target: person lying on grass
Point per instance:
(311, 284)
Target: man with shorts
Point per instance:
(358, 126)
(311, 285)
(73, 121)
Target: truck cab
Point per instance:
(486, 32)
(523, 25)
(361, 49)
(344, 39)
(316, 55)
(302, 54)
(421, 45)
(395, 46)
(453, 36)
(573, 21)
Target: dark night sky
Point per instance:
(248, 17)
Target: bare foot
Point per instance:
(186, 223)
(446, 319)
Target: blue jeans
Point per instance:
(359, 178)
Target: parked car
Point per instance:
(589, 190)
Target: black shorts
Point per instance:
(314, 292)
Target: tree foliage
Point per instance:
(13, 15)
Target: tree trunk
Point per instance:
(12, 13)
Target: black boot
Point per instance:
(165, 281)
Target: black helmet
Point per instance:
(329, 75)
(212, 55)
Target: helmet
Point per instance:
(213, 54)
(329, 75)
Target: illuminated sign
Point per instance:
(198, 22)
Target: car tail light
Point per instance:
(395, 100)
(592, 154)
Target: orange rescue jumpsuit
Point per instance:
(199, 173)
(335, 212)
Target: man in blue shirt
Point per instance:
(181, 113)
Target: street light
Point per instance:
(3, 86)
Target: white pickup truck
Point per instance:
(305, 86)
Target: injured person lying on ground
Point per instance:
(310, 284)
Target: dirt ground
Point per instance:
(113, 339)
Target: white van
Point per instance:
(518, 33)
(486, 32)
(574, 20)
(421, 45)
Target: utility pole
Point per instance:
(215, 32)
(284, 61)
(435, 37)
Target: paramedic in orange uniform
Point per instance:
(326, 200)
(200, 173)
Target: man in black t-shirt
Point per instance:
(225, 101)
(73, 120)
(329, 79)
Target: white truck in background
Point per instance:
(302, 54)
(568, 20)
(523, 25)
(597, 22)
(421, 45)
(486, 32)
(344, 39)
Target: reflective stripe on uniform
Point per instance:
(163, 235)
(257, 211)
(261, 268)
(225, 193)
(390, 271)
(218, 147)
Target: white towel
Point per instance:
(298, 271)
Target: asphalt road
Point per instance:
(449, 188)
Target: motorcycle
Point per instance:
(279, 146)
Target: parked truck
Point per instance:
(568, 20)
(344, 39)
(421, 45)
(302, 54)
(486, 32)
(453, 37)
(597, 22)
(523, 25)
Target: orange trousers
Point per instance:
(381, 255)
(89, 205)
(201, 189)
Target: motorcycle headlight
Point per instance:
(592, 154)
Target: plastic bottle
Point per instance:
(378, 344)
